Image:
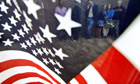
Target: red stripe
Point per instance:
(80, 79)
(115, 68)
(22, 76)
(20, 62)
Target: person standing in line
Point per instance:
(76, 16)
(91, 15)
(108, 17)
(61, 10)
(118, 17)
(101, 21)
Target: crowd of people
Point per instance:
(108, 19)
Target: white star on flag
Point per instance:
(6, 26)
(28, 43)
(60, 54)
(66, 23)
(8, 42)
(9, 2)
(39, 51)
(51, 61)
(57, 71)
(3, 7)
(32, 7)
(45, 61)
(13, 21)
(15, 37)
(1, 35)
(45, 51)
(21, 32)
(58, 64)
(16, 4)
(23, 45)
(25, 28)
(47, 34)
(33, 40)
(34, 52)
(17, 14)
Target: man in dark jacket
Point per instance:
(91, 15)
(118, 17)
(76, 16)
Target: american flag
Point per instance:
(28, 55)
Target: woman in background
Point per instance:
(61, 10)
(101, 21)
(108, 17)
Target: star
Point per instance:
(47, 34)
(6, 26)
(57, 71)
(23, 45)
(39, 38)
(34, 52)
(28, 43)
(45, 51)
(21, 32)
(59, 65)
(0, 15)
(16, 4)
(66, 23)
(33, 40)
(3, 7)
(17, 14)
(32, 7)
(45, 61)
(8, 42)
(51, 53)
(51, 61)
(40, 52)
(15, 37)
(9, 2)
(25, 28)
(60, 54)
(13, 21)
(1, 35)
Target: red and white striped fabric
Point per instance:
(18, 67)
(120, 64)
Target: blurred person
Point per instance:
(118, 17)
(76, 16)
(101, 21)
(91, 15)
(61, 10)
(108, 18)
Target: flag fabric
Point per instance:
(28, 54)
(120, 64)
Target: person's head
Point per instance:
(60, 3)
(77, 2)
(104, 7)
(90, 2)
(119, 3)
(109, 6)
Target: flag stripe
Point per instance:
(129, 43)
(115, 68)
(22, 69)
(34, 83)
(23, 75)
(30, 79)
(73, 81)
(80, 79)
(4, 56)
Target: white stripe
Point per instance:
(14, 54)
(31, 79)
(92, 76)
(129, 43)
(24, 69)
(74, 81)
